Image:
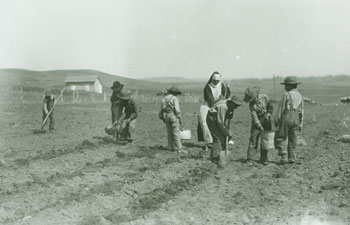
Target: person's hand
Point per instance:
(46, 112)
(117, 127)
(230, 137)
(261, 128)
(300, 126)
(268, 116)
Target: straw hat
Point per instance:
(251, 93)
(235, 100)
(174, 90)
(291, 80)
(124, 95)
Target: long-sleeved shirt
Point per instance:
(297, 103)
(259, 109)
(129, 108)
(48, 102)
(222, 114)
(114, 98)
(170, 103)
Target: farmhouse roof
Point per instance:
(80, 79)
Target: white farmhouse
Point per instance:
(85, 83)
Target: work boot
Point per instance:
(264, 157)
(251, 162)
(284, 159)
(182, 151)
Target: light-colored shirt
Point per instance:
(170, 103)
(258, 109)
(297, 104)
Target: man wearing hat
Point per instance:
(217, 120)
(171, 116)
(127, 120)
(289, 119)
(48, 103)
(117, 87)
(261, 110)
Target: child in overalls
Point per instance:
(171, 116)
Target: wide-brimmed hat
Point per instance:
(117, 86)
(124, 95)
(235, 100)
(251, 93)
(291, 80)
(174, 90)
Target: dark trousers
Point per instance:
(219, 139)
(254, 142)
(128, 130)
(114, 111)
(287, 149)
(51, 122)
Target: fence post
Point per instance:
(77, 95)
(21, 96)
(104, 97)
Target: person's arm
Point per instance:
(161, 116)
(221, 121)
(135, 107)
(177, 109)
(208, 95)
(45, 106)
(120, 109)
(113, 97)
(269, 108)
(301, 113)
(281, 108)
(225, 91)
(255, 118)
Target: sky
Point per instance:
(187, 38)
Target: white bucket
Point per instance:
(185, 134)
(267, 140)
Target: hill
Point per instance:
(55, 78)
(169, 79)
(322, 89)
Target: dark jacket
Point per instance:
(114, 98)
(49, 100)
(130, 107)
(208, 95)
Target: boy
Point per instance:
(171, 116)
(48, 102)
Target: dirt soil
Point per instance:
(79, 175)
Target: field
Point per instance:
(79, 175)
